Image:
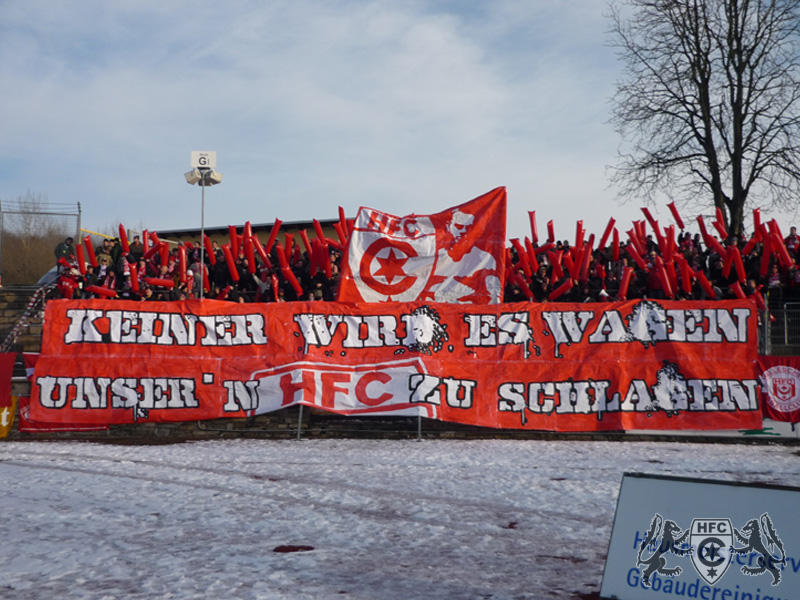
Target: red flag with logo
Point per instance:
(780, 381)
(456, 256)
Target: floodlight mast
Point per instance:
(205, 176)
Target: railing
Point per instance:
(35, 305)
(783, 330)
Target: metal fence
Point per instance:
(30, 229)
(782, 330)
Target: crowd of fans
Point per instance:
(664, 266)
(165, 271)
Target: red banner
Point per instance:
(780, 381)
(561, 367)
(456, 256)
(26, 424)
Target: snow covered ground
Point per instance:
(385, 519)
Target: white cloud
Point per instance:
(405, 106)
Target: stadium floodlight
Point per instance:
(202, 173)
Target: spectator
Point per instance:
(136, 248)
(66, 250)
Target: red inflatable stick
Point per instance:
(686, 274)
(766, 252)
(604, 238)
(101, 291)
(163, 252)
(661, 271)
(625, 282)
(615, 246)
(340, 232)
(306, 242)
(234, 237)
(706, 285)
(522, 255)
(343, 223)
(81, 258)
(738, 264)
(551, 234)
(123, 240)
(145, 241)
(249, 254)
(561, 290)
(152, 251)
(134, 277)
(641, 231)
(324, 258)
(226, 250)
(737, 290)
(751, 243)
(160, 282)
(262, 253)
(287, 272)
(775, 228)
(638, 246)
(273, 234)
(534, 230)
(182, 264)
(87, 241)
(673, 276)
(650, 219)
(288, 247)
(515, 278)
(555, 261)
(534, 262)
(668, 249)
(318, 230)
(212, 257)
(659, 236)
(579, 233)
(726, 266)
(675, 215)
(586, 259)
(569, 264)
(334, 244)
(636, 257)
(780, 249)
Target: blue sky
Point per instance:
(401, 105)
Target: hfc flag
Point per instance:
(780, 382)
(455, 256)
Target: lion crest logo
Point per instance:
(759, 536)
(711, 545)
(663, 538)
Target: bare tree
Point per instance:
(709, 102)
(30, 232)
